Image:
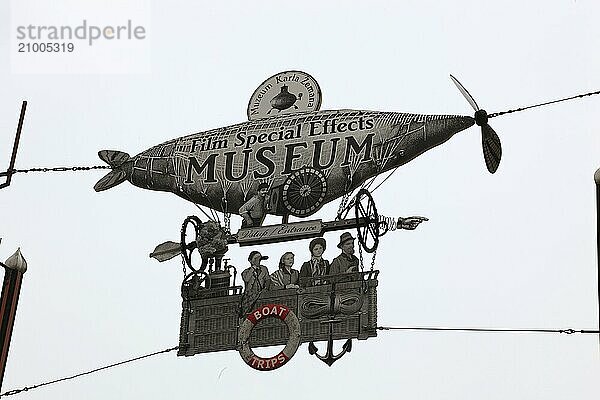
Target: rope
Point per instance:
(214, 214)
(367, 185)
(542, 104)
(343, 205)
(188, 198)
(25, 389)
(204, 212)
(413, 328)
(386, 178)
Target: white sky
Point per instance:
(513, 250)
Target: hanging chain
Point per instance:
(61, 169)
(183, 263)
(227, 222)
(373, 260)
(343, 204)
(345, 198)
(360, 257)
(226, 216)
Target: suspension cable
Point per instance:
(568, 331)
(492, 115)
(27, 388)
(385, 179)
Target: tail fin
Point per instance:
(113, 178)
(115, 159)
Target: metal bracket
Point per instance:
(9, 172)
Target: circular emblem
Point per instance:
(304, 191)
(284, 93)
(269, 311)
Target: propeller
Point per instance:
(490, 142)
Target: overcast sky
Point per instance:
(515, 249)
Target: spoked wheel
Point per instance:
(304, 191)
(187, 247)
(368, 232)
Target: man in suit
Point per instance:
(346, 261)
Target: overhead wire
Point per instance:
(27, 388)
(497, 114)
(567, 331)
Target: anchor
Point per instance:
(329, 358)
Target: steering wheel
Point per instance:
(368, 232)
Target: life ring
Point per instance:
(269, 311)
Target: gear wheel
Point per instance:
(304, 191)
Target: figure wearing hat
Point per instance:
(255, 209)
(317, 265)
(347, 261)
(256, 277)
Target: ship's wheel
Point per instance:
(191, 226)
(304, 191)
(188, 247)
(367, 220)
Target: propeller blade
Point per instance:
(465, 93)
(492, 148)
(166, 251)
